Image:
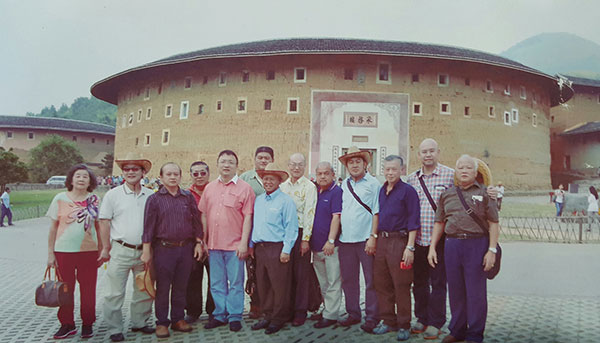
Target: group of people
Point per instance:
(272, 222)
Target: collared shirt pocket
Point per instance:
(274, 215)
(231, 200)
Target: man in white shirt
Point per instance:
(123, 211)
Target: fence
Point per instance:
(551, 229)
(30, 212)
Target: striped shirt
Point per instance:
(441, 179)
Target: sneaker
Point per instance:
(432, 333)
(235, 326)
(403, 335)
(382, 328)
(368, 326)
(65, 331)
(87, 331)
(418, 328)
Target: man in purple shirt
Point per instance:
(173, 229)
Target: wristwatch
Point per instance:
(331, 241)
(200, 242)
(494, 250)
(374, 235)
(411, 248)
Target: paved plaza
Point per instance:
(544, 293)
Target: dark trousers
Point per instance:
(273, 280)
(254, 300)
(300, 285)
(392, 284)
(352, 257)
(173, 266)
(467, 287)
(83, 267)
(429, 287)
(194, 290)
(6, 212)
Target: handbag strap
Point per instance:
(470, 212)
(357, 198)
(424, 187)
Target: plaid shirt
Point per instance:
(441, 179)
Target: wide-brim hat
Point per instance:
(132, 158)
(145, 282)
(484, 174)
(355, 152)
(273, 169)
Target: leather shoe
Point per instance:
(181, 326)
(214, 324)
(146, 329)
(368, 326)
(298, 321)
(273, 328)
(254, 312)
(323, 323)
(260, 325)
(349, 321)
(450, 339)
(316, 316)
(235, 326)
(162, 331)
(118, 337)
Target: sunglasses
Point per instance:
(133, 169)
(202, 173)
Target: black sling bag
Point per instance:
(357, 198)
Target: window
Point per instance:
(173, 84)
(74, 138)
(443, 79)
(241, 105)
(93, 140)
(149, 113)
(184, 109)
(124, 121)
(270, 74)
(147, 93)
(507, 89)
(139, 116)
(415, 77)
(245, 76)
(467, 111)
(168, 111)
(300, 75)
(507, 118)
(219, 105)
(108, 142)
(445, 107)
(137, 141)
(222, 79)
(147, 139)
(30, 135)
(165, 136)
(384, 73)
(348, 74)
(515, 115)
(534, 120)
(489, 87)
(9, 134)
(130, 119)
(187, 83)
(293, 105)
(160, 88)
(268, 104)
(491, 112)
(417, 109)
(534, 97)
(467, 81)
(599, 98)
(205, 80)
(200, 108)
(523, 93)
(552, 119)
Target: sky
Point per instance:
(53, 51)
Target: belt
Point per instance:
(267, 244)
(173, 244)
(131, 246)
(388, 234)
(466, 235)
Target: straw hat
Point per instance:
(145, 282)
(273, 169)
(484, 174)
(132, 158)
(355, 152)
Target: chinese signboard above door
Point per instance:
(360, 119)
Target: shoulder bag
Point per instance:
(53, 293)
(357, 197)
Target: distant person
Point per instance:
(73, 247)
(592, 210)
(559, 199)
(6, 209)
(500, 189)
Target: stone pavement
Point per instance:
(544, 293)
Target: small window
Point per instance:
(599, 98)
(268, 104)
(149, 113)
(219, 105)
(173, 84)
(93, 140)
(293, 105)
(534, 120)
(147, 93)
(147, 139)
(443, 79)
(108, 142)
(417, 109)
(137, 141)
(299, 75)
(552, 119)
(187, 83)
(523, 93)
(222, 79)
(241, 105)
(415, 77)
(139, 116)
(201, 109)
(130, 119)
(184, 110)
(9, 134)
(74, 138)
(205, 80)
(168, 111)
(507, 89)
(467, 111)
(270, 74)
(507, 118)
(383, 73)
(467, 81)
(491, 112)
(489, 87)
(165, 136)
(515, 115)
(245, 76)
(445, 107)
(160, 88)
(30, 135)
(124, 121)
(348, 74)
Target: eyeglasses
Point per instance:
(202, 173)
(133, 169)
(296, 165)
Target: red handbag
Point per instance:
(53, 293)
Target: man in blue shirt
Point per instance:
(323, 243)
(399, 220)
(274, 233)
(360, 208)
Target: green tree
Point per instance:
(53, 156)
(107, 162)
(12, 169)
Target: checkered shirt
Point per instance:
(441, 179)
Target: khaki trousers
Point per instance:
(327, 269)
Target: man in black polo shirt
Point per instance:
(399, 220)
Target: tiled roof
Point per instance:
(589, 127)
(580, 81)
(55, 124)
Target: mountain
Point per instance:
(558, 52)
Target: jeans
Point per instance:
(559, 208)
(227, 285)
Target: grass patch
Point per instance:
(35, 203)
(524, 209)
